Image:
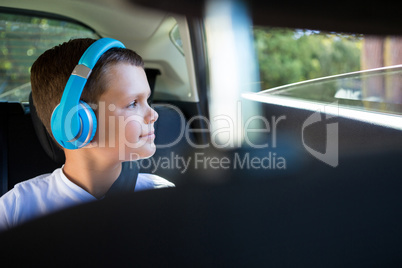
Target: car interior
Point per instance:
(310, 205)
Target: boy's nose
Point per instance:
(151, 117)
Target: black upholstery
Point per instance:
(48, 144)
(151, 76)
(3, 149)
(324, 217)
(170, 142)
(24, 157)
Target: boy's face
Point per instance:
(125, 120)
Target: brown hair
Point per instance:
(50, 72)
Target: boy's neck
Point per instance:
(94, 177)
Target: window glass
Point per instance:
(176, 38)
(287, 56)
(358, 72)
(22, 39)
(168, 51)
(377, 90)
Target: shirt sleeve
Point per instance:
(7, 210)
(147, 181)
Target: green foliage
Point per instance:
(288, 56)
(22, 39)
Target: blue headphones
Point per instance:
(73, 121)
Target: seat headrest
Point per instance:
(47, 142)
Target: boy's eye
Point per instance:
(132, 105)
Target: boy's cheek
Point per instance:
(106, 133)
(132, 131)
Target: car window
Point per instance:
(307, 69)
(287, 56)
(23, 38)
(176, 38)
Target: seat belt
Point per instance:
(126, 181)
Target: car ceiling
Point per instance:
(117, 19)
(384, 17)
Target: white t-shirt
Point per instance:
(50, 192)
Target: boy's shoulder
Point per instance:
(36, 183)
(147, 181)
(23, 201)
(39, 196)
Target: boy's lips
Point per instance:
(147, 135)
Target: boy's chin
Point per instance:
(148, 156)
(138, 156)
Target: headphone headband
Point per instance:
(68, 126)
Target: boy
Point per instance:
(117, 90)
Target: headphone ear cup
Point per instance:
(73, 122)
(88, 124)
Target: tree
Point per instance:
(288, 56)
